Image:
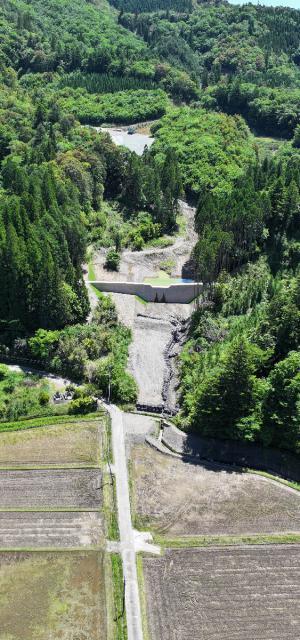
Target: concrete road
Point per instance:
(127, 536)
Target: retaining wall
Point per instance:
(173, 293)
(250, 455)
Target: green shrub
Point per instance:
(3, 371)
(83, 405)
(112, 262)
(44, 398)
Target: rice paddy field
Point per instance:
(51, 489)
(245, 593)
(55, 576)
(220, 575)
(44, 529)
(52, 596)
(77, 443)
(176, 498)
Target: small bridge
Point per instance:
(181, 293)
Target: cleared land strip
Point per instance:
(51, 489)
(244, 593)
(31, 530)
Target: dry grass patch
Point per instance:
(62, 444)
(51, 489)
(246, 593)
(177, 498)
(52, 596)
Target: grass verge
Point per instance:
(119, 612)
(90, 549)
(46, 510)
(142, 592)
(287, 483)
(45, 467)
(110, 509)
(92, 276)
(31, 423)
(207, 541)
(141, 300)
(107, 446)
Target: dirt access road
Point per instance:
(157, 329)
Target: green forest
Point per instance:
(221, 87)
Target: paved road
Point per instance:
(127, 537)
(59, 382)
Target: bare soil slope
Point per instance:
(157, 329)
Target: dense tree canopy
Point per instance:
(213, 150)
(245, 57)
(201, 70)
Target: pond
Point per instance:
(133, 141)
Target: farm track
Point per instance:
(127, 539)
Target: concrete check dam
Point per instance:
(181, 293)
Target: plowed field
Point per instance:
(56, 529)
(245, 593)
(178, 498)
(59, 488)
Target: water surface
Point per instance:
(135, 141)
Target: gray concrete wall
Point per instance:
(174, 293)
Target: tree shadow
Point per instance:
(236, 456)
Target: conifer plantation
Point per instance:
(221, 87)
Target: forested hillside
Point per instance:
(246, 58)
(64, 185)
(240, 368)
(215, 78)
